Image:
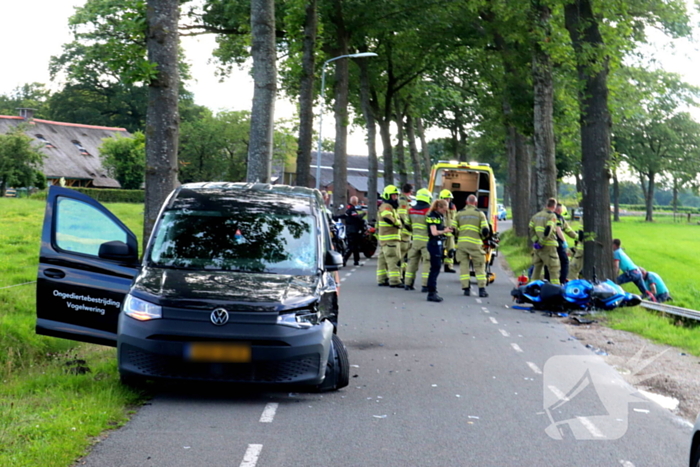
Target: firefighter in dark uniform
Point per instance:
(435, 221)
(472, 229)
(388, 268)
(419, 245)
(543, 233)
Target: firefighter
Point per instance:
(449, 243)
(388, 269)
(419, 246)
(472, 229)
(404, 206)
(563, 228)
(576, 264)
(543, 233)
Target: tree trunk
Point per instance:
(387, 153)
(340, 160)
(616, 196)
(543, 112)
(400, 153)
(519, 173)
(650, 197)
(162, 117)
(595, 137)
(413, 150)
(262, 22)
(428, 165)
(306, 97)
(372, 163)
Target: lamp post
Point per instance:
(320, 117)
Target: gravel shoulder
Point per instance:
(660, 369)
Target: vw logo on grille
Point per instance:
(219, 317)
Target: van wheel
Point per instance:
(337, 368)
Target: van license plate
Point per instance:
(206, 352)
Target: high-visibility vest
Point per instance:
(469, 223)
(387, 231)
(416, 217)
(404, 206)
(539, 222)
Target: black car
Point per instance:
(236, 284)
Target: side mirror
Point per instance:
(333, 260)
(116, 250)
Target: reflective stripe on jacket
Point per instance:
(388, 219)
(469, 223)
(539, 223)
(416, 217)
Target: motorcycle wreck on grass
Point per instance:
(578, 296)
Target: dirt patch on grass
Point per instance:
(659, 369)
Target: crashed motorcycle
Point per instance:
(368, 244)
(338, 235)
(577, 295)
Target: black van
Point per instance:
(236, 284)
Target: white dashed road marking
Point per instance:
(516, 347)
(534, 368)
(493, 320)
(269, 413)
(250, 459)
(478, 300)
(504, 332)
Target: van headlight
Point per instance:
(141, 309)
(300, 319)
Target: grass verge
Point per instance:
(51, 403)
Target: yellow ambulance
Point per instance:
(470, 178)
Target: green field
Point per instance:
(51, 403)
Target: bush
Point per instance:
(114, 196)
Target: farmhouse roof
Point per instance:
(71, 149)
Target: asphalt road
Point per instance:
(466, 382)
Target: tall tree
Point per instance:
(262, 18)
(542, 74)
(125, 159)
(592, 66)
(306, 94)
(19, 159)
(162, 118)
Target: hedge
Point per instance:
(105, 195)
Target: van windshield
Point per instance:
(260, 241)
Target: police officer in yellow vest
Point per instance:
(472, 228)
(388, 268)
(419, 246)
(543, 233)
(404, 206)
(449, 237)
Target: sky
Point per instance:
(32, 31)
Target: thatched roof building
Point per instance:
(72, 149)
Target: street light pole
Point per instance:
(320, 117)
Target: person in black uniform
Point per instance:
(435, 221)
(354, 228)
